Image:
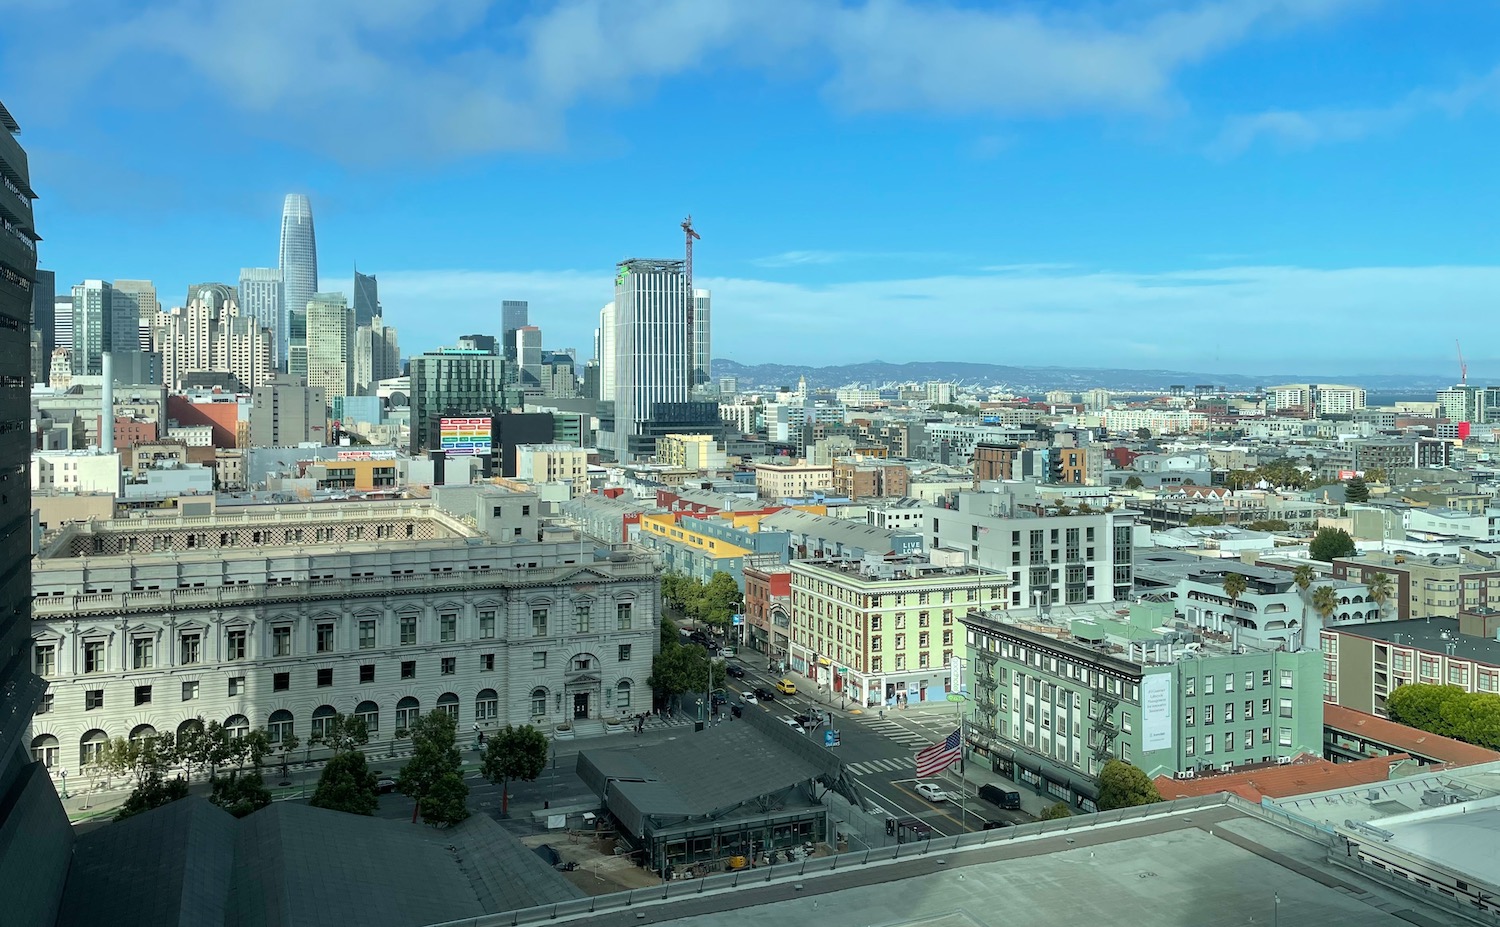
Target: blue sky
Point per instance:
(1248, 185)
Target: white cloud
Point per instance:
(1298, 129)
(1236, 319)
(393, 80)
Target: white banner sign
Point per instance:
(1156, 712)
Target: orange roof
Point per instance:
(1409, 739)
(1305, 774)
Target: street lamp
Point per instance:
(64, 774)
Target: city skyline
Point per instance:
(1204, 171)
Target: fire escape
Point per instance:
(1104, 729)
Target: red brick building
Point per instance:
(768, 611)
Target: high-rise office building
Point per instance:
(62, 321)
(702, 342)
(36, 840)
(296, 358)
(528, 352)
(298, 265)
(366, 299)
(262, 299)
(330, 345)
(44, 310)
(286, 413)
(93, 326)
(513, 315)
(485, 343)
(651, 349)
(139, 297)
(377, 355)
(453, 382)
(604, 353)
(212, 334)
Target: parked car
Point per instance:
(1002, 798)
(385, 785)
(765, 695)
(807, 720)
(786, 687)
(727, 652)
(749, 698)
(735, 670)
(995, 825)
(932, 792)
(717, 699)
(795, 725)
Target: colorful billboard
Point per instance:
(466, 437)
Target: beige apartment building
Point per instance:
(878, 629)
(793, 480)
(690, 452)
(554, 463)
(1426, 587)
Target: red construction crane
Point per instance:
(1463, 368)
(689, 234)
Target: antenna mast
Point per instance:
(1463, 368)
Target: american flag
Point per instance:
(938, 757)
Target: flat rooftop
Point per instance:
(1432, 634)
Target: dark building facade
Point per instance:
(366, 299)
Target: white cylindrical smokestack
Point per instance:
(107, 418)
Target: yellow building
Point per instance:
(690, 452)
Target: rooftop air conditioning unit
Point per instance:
(1227, 767)
(1283, 761)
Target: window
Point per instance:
(281, 682)
(923, 639)
(622, 694)
(1249, 679)
(449, 666)
(874, 623)
(1208, 744)
(367, 672)
(539, 659)
(1265, 677)
(538, 622)
(325, 678)
(234, 644)
(408, 629)
(538, 702)
(1249, 739)
(367, 634)
(487, 662)
(447, 703)
(1189, 684)
(236, 685)
(1187, 716)
(622, 616)
(190, 649)
(44, 750)
(624, 653)
(1285, 708)
(1265, 706)
(1265, 735)
(487, 624)
(190, 690)
(1286, 679)
(1192, 746)
(369, 713)
(1208, 685)
(93, 698)
(325, 638)
(408, 710)
(279, 727)
(486, 705)
(585, 618)
(1228, 712)
(447, 628)
(1284, 737)
(44, 661)
(143, 695)
(281, 642)
(408, 669)
(1228, 682)
(142, 653)
(1125, 723)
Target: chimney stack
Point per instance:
(107, 421)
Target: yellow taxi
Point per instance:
(786, 687)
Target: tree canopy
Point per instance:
(1122, 785)
(1356, 490)
(1133, 482)
(347, 785)
(1269, 525)
(1330, 543)
(1449, 711)
(1235, 586)
(1324, 601)
(514, 753)
(434, 774)
(1205, 521)
(682, 668)
(1055, 811)
(1381, 587)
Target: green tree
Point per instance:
(257, 746)
(1330, 543)
(514, 753)
(669, 633)
(716, 601)
(347, 785)
(1055, 812)
(1356, 490)
(241, 793)
(1240, 479)
(1422, 706)
(433, 777)
(153, 791)
(1375, 475)
(344, 733)
(1303, 576)
(1143, 433)
(1133, 482)
(1380, 587)
(1122, 785)
(681, 669)
(1324, 601)
(286, 746)
(1234, 587)
(1205, 521)
(1272, 525)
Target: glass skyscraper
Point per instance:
(299, 264)
(514, 314)
(261, 299)
(366, 299)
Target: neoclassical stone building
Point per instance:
(280, 616)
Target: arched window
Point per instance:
(322, 717)
(90, 745)
(622, 694)
(237, 726)
(190, 727)
(142, 733)
(486, 705)
(407, 712)
(448, 702)
(369, 713)
(44, 750)
(279, 725)
(538, 702)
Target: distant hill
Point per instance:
(1032, 379)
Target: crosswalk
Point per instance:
(890, 730)
(868, 767)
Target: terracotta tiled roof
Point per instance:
(1305, 774)
(1409, 739)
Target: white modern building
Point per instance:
(279, 616)
(554, 463)
(702, 341)
(651, 350)
(262, 299)
(330, 345)
(76, 471)
(1316, 398)
(298, 265)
